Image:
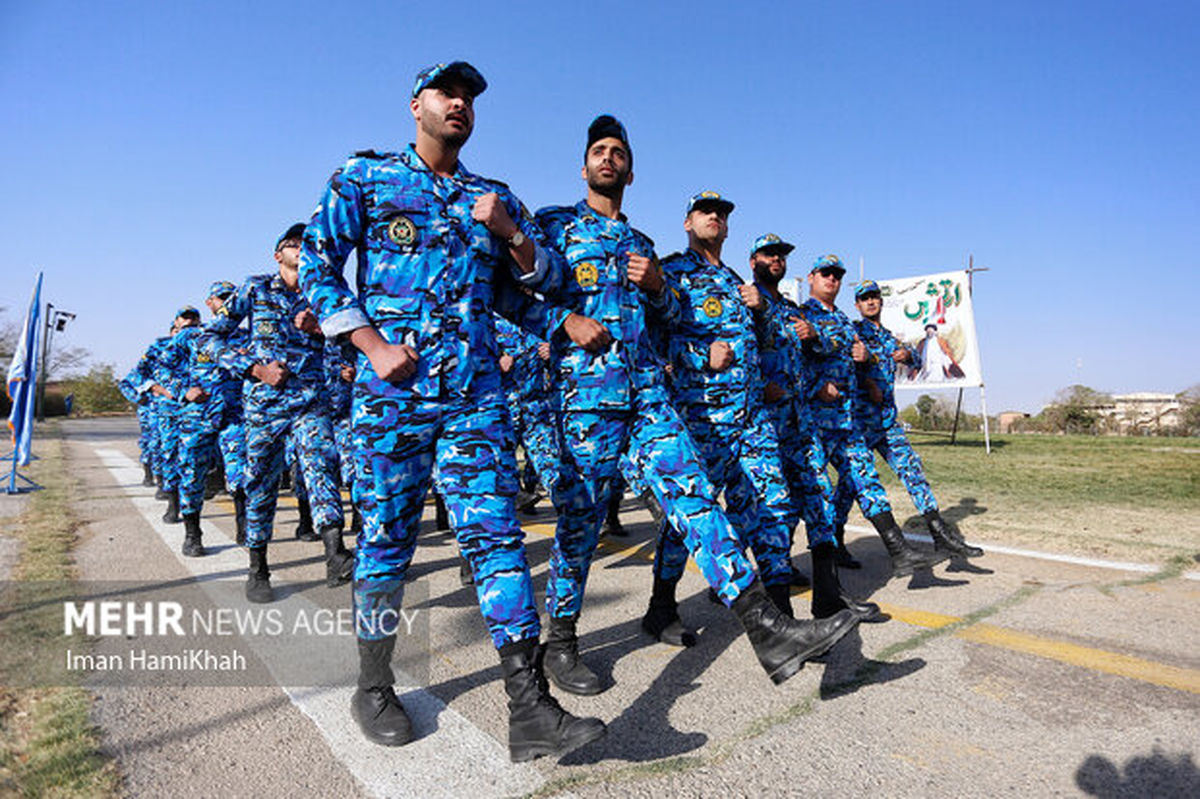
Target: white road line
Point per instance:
(1116, 565)
(456, 759)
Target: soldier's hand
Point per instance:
(160, 391)
(196, 394)
(393, 362)
(751, 297)
(544, 350)
(772, 392)
(348, 372)
(858, 350)
(587, 332)
(506, 363)
(720, 356)
(828, 393)
(873, 392)
(490, 211)
(306, 322)
(645, 273)
(900, 355)
(274, 373)
(803, 329)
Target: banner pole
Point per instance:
(957, 411)
(987, 439)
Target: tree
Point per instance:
(1189, 416)
(1077, 409)
(96, 391)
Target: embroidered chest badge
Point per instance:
(402, 231)
(586, 275)
(713, 307)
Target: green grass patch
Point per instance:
(48, 743)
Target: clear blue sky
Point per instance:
(151, 148)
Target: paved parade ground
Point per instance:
(1016, 675)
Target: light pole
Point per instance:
(56, 320)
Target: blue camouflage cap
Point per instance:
(771, 241)
(709, 198)
(222, 289)
(867, 287)
(295, 232)
(187, 310)
(455, 69)
(828, 262)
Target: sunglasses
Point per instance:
(831, 271)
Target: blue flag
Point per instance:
(22, 379)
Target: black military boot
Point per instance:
(662, 620)
(215, 481)
(304, 530)
(355, 521)
(147, 475)
(781, 597)
(192, 547)
(441, 520)
(161, 493)
(526, 501)
(947, 538)
(905, 559)
(782, 644)
(828, 596)
(374, 706)
(843, 557)
(339, 561)
(537, 725)
(465, 575)
(562, 663)
(612, 518)
(258, 581)
(171, 516)
(239, 515)
(798, 578)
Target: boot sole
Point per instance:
(796, 662)
(534, 751)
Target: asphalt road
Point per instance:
(1015, 676)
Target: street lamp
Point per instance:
(56, 320)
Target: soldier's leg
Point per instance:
(669, 462)
(172, 466)
(316, 460)
(197, 446)
(477, 465)
(849, 455)
(264, 463)
(591, 447)
(893, 444)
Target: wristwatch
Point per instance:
(516, 240)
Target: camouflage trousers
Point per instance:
(652, 446)
(166, 413)
(146, 434)
(744, 462)
(397, 443)
(231, 441)
(893, 445)
(199, 425)
(848, 453)
(535, 431)
(803, 460)
(266, 438)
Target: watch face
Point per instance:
(517, 239)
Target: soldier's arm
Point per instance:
(336, 228)
(217, 337)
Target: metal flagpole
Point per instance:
(987, 438)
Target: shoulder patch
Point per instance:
(368, 154)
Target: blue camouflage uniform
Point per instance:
(615, 403)
(299, 407)
(831, 362)
(428, 276)
(166, 417)
(724, 411)
(801, 453)
(189, 366)
(135, 387)
(881, 430)
(231, 440)
(339, 409)
(529, 403)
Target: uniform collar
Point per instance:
(586, 211)
(415, 163)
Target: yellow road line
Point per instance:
(1134, 668)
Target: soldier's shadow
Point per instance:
(966, 507)
(847, 669)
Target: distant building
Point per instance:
(1009, 419)
(1142, 413)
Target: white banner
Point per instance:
(932, 314)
